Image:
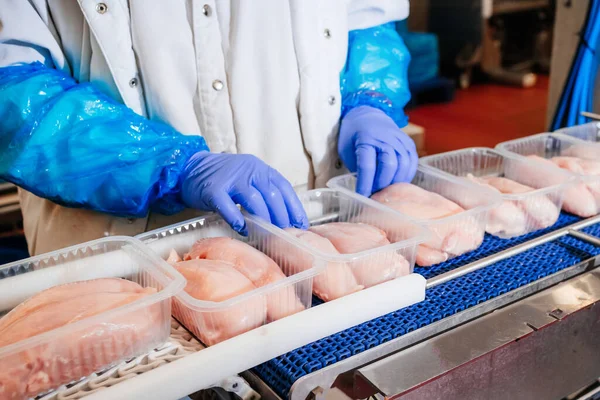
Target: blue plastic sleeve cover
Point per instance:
(77, 147)
(376, 72)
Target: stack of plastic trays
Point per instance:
(519, 213)
(582, 198)
(347, 273)
(75, 350)
(589, 132)
(450, 236)
(215, 321)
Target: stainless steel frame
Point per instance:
(342, 374)
(543, 347)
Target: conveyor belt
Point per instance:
(441, 301)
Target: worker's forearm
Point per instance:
(376, 72)
(72, 144)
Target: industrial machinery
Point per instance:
(506, 39)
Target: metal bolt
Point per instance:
(101, 8)
(331, 100)
(133, 82)
(327, 33)
(217, 85)
(206, 10)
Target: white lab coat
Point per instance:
(251, 76)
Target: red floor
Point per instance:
(483, 115)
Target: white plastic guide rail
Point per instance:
(202, 369)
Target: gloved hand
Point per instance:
(371, 144)
(219, 181)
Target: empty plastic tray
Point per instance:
(215, 321)
(519, 213)
(582, 198)
(452, 235)
(75, 350)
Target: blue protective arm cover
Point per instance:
(77, 147)
(376, 72)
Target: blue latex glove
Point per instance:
(371, 144)
(219, 181)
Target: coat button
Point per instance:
(331, 100)
(130, 220)
(206, 10)
(327, 33)
(338, 164)
(101, 8)
(217, 85)
(133, 82)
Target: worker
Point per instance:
(118, 117)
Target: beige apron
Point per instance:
(50, 227)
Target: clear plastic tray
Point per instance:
(369, 267)
(519, 213)
(214, 322)
(589, 132)
(467, 227)
(583, 197)
(68, 353)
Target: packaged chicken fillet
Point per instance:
(527, 204)
(453, 211)
(80, 310)
(555, 153)
(234, 283)
(361, 243)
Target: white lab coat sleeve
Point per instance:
(363, 14)
(26, 35)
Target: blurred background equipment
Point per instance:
(426, 84)
(499, 54)
(12, 242)
(507, 40)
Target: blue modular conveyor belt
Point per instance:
(441, 301)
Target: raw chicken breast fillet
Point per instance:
(507, 219)
(78, 353)
(173, 258)
(513, 217)
(336, 281)
(589, 150)
(580, 198)
(254, 265)
(218, 281)
(350, 238)
(448, 239)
